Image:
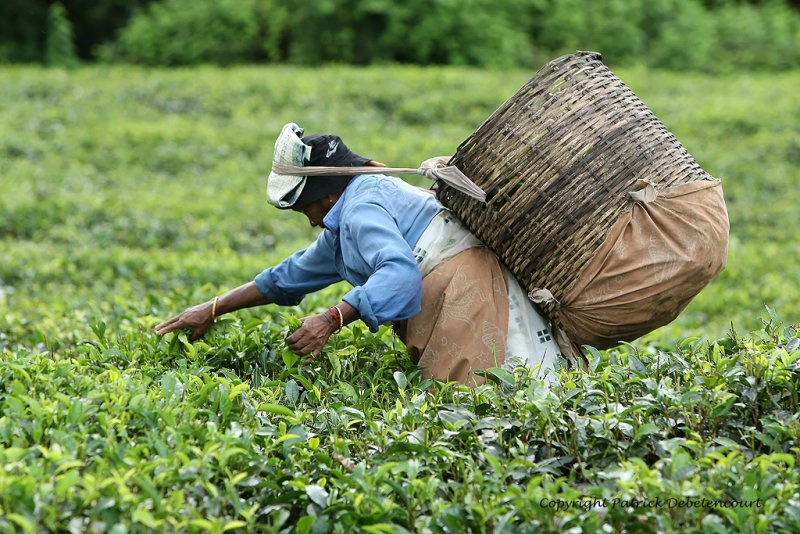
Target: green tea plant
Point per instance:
(134, 431)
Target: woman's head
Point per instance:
(313, 195)
(320, 193)
(327, 150)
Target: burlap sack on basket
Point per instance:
(592, 204)
(655, 259)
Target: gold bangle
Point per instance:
(214, 308)
(341, 317)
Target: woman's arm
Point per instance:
(285, 284)
(200, 317)
(393, 290)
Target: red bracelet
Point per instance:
(341, 316)
(335, 314)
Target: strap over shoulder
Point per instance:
(436, 169)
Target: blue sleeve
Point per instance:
(302, 273)
(394, 289)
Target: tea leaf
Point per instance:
(22, 522)
(276, 409)
(317, 494)
(292, 391)
(400, 379)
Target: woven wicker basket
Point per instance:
(558, 161)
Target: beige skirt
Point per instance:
(474, 313)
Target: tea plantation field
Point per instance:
(128, 194)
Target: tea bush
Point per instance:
(129, 431)
(128, 194)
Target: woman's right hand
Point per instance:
(198, 318)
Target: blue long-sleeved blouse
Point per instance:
(368, 240)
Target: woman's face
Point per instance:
(317, 210)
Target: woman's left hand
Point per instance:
(197, 318)
(311, 337)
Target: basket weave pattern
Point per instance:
(557, 161)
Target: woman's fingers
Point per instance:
(312, 356)
(166, 323)
(295, 338)
(191, 318)
(168, 326)
(301, 343)
(302, 346)
(312, 336)
(198, 332)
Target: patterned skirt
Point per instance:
(475, 315)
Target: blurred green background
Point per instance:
(710, 35)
